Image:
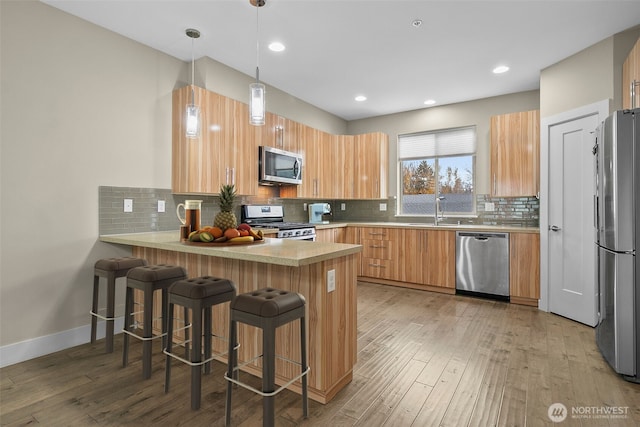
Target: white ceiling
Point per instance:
(337, 49)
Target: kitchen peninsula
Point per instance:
(292, 265)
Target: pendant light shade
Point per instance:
(257, 102)
(192, 119)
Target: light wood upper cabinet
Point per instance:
(515, 154)
(371, 166)
(524, 268)
(224, 153)
(334, 166)
(631, 76)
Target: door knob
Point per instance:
(554, 228)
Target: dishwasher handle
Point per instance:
(482, 236)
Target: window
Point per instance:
(437, 164)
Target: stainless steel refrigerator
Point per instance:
(617, 215)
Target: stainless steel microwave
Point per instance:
(279, 167)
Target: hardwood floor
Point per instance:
(424, 359)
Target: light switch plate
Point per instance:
(128, 205)
(489, 206)
(343, 206)
(383, 206)
(304, 206)
(331, 280)
(161, 206)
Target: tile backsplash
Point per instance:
(515, 211)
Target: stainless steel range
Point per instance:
(272, 216)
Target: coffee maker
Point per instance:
(317, 210)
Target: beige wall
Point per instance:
(469, 113)
(81, 107)
(591, 75)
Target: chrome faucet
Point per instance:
(439, 209)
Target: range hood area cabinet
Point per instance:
(515, 154)
(203, 164)
(341, 166)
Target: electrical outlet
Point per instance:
(489, 207)
(304, 206)
(343, 206)
(128, 205)
(161, 206)
(331, 280)
(383, 206)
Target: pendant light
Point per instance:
(257, 109)
(193, 111)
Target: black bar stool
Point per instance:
(266, 309)
(148, 279)
(199, 295)
(110, 269)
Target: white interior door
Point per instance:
(571, 247)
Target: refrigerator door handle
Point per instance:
(554, 228)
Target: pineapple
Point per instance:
(226, 218)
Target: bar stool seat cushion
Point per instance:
(119, 264)
(268, 302)
(155, 273)
(202, 287)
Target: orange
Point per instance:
(230, 233)
(216, 232)
(244, 232)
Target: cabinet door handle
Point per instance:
(375, 234)
(378, 246)
(233, 176)
(494, 184)
(226, 175)
(376, 265)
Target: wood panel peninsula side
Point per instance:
(292, 265)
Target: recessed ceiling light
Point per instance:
(429, 102)
(361, 98)
(276, 47)
(500, 69)
(416, 22)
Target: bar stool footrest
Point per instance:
(267, 394)
(133, 334)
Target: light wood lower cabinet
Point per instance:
(524, 268)
(436, 258)
(331, 235)
(423, 259)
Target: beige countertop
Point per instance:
(427, 226)
(287, 252)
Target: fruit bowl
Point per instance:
(221, 244)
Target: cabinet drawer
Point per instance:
(372, 267)
(374, 234)
(379, 249)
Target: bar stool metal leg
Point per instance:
(268, 373)
(232, 363)
(111, 311)
(94, 307)
(304, 365)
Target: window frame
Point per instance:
(436, 160)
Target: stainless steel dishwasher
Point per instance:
(482, 264)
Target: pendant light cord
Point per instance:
(192, 71)
(257, 43)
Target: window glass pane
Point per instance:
(418, 187)
(455, 181)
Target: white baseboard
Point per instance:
(30, 349)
